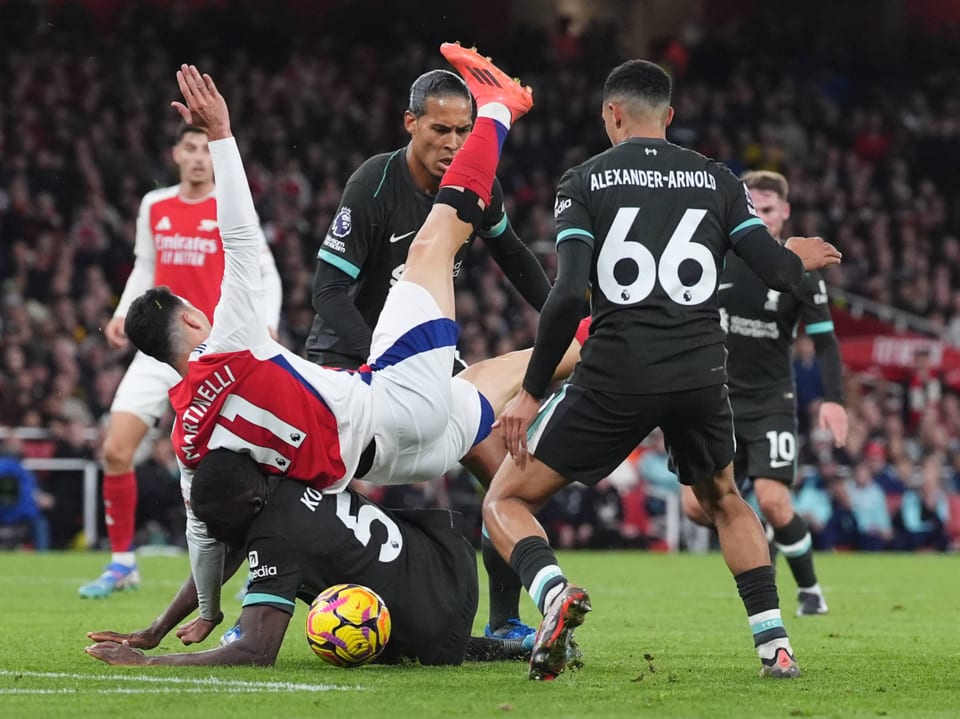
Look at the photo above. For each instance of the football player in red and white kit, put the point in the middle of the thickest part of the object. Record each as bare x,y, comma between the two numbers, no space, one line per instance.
398,418
178,245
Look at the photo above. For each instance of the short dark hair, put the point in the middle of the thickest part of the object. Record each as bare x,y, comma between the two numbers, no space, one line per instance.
186,130
150,323
436,83
767,180
638,79
222,494
222,475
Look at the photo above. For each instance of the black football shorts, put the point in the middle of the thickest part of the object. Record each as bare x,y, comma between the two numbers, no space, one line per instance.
584,434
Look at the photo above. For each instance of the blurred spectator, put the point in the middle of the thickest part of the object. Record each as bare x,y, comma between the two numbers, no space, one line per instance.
812,502
607,511
161,514
924,388
66,486
924,512
22,522
841,531
885,476
869,507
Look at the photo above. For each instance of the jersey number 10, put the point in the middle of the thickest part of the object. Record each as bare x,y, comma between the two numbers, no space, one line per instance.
681,247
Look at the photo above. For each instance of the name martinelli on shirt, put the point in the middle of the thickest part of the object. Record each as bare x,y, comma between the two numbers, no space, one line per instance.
672,179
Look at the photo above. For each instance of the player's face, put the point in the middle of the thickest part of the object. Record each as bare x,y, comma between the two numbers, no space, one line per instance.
773,210
192,156
437,135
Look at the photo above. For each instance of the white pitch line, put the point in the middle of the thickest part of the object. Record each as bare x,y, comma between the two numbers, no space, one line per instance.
170,690
209,682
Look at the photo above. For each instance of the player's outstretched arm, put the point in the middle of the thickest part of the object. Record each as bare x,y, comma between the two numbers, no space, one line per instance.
205,107
262,629
179,609
239,320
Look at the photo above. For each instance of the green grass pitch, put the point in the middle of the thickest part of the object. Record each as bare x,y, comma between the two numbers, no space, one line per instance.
667,638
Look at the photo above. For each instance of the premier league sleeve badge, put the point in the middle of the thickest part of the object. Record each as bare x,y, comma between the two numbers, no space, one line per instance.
342,223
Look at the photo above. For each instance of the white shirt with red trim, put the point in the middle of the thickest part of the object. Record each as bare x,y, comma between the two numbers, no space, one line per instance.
246,393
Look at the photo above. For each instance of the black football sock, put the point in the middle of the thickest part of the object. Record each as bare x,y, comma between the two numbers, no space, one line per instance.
503,584
536,564
797,546
759,594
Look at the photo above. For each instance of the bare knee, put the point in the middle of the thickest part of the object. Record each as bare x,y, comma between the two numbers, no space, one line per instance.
117,454
693,509
775,503
719,496
511,487
124,434
484,459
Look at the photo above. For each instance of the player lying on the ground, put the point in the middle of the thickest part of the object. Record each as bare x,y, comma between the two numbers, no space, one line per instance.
400,418
305,541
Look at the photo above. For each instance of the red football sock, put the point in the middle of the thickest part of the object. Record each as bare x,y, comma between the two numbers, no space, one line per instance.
475,165
120,505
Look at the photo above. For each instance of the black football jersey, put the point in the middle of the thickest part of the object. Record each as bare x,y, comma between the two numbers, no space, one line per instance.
418,562
660,219
761,325
380,212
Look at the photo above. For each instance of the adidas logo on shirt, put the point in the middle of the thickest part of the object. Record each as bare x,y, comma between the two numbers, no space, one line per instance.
164,224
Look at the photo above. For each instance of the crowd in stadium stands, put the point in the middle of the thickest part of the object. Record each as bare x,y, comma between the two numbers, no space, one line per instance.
85,126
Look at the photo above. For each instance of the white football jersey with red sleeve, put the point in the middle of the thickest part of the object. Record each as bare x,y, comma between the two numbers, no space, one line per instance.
247,393
294,418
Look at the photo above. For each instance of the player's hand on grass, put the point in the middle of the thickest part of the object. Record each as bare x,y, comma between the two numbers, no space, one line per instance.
143,639
197,630
833,417
115,335
515,420
205,106
814,252
116,653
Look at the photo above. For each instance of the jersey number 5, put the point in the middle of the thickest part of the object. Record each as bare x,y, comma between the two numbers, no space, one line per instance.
681,247
360,526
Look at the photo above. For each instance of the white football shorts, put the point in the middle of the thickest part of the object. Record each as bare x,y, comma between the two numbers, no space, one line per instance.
424,421
143,389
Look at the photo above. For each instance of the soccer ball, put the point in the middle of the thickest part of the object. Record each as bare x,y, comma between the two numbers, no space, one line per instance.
348,625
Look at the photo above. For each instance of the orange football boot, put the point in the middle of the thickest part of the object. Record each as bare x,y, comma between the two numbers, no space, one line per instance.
486,81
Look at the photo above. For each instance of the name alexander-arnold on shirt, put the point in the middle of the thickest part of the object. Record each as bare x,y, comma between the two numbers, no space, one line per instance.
670,180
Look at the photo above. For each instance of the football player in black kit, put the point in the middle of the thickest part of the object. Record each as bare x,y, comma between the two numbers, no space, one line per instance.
384,203
304,541
646,225
761,324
